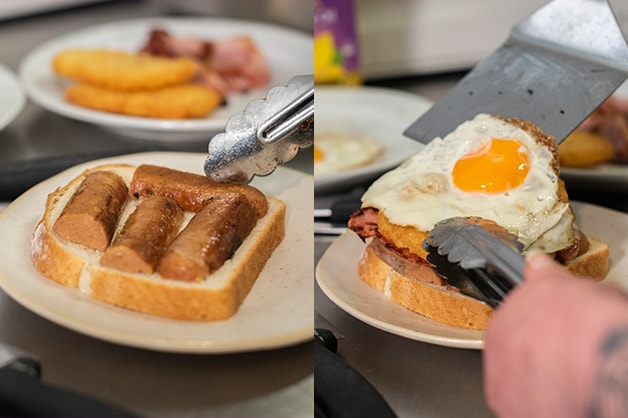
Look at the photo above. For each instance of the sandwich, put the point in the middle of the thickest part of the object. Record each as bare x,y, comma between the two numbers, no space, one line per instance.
491,167
157,240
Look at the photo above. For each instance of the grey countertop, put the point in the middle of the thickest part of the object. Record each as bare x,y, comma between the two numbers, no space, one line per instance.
274,383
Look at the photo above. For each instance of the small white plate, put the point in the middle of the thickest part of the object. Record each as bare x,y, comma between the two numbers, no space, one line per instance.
379,113
277,312
336,274
288,53
12,99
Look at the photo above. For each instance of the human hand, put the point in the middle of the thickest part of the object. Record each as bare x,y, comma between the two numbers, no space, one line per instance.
544,352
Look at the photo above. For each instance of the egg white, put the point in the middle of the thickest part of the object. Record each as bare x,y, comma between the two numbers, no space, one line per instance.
421,192
344,151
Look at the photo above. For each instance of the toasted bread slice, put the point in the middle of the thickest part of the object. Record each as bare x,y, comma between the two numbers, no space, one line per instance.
444,303
216,297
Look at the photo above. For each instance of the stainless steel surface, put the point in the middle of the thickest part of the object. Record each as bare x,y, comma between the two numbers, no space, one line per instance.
481,258
556,67
476,246
269,132
275,383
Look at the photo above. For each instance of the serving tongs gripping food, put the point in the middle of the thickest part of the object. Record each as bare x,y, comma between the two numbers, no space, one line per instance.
269,132
477,256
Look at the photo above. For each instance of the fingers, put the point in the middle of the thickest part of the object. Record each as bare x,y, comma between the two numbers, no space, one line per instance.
540,266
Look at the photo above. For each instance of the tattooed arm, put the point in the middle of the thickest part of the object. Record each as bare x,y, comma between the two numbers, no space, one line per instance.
558,347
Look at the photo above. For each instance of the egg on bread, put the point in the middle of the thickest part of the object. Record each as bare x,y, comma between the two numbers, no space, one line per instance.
499,169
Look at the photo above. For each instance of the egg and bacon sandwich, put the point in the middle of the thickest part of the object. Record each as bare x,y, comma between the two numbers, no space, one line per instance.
503,170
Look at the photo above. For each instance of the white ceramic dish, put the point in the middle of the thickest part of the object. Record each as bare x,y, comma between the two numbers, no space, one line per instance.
288,53
277,312
12,99
337,277
381,114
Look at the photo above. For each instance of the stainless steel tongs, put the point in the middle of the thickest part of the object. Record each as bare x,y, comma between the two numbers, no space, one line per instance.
477,256
269,132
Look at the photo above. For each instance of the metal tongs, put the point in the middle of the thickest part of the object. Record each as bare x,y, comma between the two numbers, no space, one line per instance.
477,256
268,133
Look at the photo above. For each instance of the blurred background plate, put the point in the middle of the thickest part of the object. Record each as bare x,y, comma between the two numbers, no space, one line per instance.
378,113
288,53
607,176
12,98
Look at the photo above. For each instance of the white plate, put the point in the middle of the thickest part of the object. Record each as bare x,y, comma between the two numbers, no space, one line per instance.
12,98
287,52
337,277
277,312
379,113
605,176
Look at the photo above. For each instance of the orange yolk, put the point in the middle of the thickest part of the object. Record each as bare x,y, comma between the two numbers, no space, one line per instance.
498,166
318,155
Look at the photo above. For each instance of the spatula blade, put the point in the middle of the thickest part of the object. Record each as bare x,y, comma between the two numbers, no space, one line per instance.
556,67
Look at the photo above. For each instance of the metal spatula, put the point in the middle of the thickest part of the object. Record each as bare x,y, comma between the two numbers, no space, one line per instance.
554,69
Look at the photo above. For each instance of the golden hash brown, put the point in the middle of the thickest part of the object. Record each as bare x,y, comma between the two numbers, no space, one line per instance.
122,71
584,149
178,102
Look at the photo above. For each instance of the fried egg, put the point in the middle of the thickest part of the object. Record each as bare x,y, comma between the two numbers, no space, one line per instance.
335,151
486,167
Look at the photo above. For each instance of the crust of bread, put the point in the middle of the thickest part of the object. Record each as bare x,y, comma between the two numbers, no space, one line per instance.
444,305
217,297
433,301
594,263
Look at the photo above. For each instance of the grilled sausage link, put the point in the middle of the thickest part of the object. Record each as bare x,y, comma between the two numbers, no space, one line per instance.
91,215
190,191
145,235
211,237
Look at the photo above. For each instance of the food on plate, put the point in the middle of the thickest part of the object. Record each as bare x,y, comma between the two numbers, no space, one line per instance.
588,145
122,71
182,246
582,149
231,65
502,170
174,102
339,151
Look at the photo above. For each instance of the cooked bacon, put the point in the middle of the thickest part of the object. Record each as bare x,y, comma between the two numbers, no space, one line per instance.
364,223
228,65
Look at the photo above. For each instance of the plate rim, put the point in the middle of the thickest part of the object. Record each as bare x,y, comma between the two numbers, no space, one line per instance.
71,320
10,80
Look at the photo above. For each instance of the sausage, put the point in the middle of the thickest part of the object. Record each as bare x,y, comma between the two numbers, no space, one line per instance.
190,191
145,235
211,237
91,215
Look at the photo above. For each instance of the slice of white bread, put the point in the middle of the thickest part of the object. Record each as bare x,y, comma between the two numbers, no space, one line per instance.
444,303
216,297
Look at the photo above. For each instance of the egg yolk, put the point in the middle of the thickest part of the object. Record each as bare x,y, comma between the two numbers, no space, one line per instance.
318,155
497,166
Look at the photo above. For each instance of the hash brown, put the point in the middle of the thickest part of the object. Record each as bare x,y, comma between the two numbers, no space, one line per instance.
177,102
123,71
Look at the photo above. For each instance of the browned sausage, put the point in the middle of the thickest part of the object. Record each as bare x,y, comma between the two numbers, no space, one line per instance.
91,215
145,236
191,191
211,237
